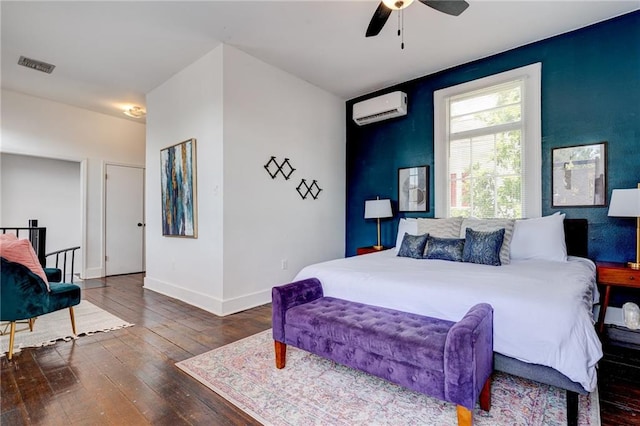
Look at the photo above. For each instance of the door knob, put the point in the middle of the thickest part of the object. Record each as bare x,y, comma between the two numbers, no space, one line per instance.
139,224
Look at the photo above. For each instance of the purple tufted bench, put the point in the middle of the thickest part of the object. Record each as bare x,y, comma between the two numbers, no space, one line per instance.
451,361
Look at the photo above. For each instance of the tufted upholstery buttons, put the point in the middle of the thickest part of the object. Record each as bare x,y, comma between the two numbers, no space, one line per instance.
384,332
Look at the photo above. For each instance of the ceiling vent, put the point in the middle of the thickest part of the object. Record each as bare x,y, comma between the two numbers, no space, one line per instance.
380,108
35,64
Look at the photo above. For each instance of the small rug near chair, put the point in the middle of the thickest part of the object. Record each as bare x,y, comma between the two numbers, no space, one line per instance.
313,391
50,328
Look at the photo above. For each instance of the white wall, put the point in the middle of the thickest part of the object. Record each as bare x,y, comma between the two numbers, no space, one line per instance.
47,190
39,127
242,111
189,105
268,112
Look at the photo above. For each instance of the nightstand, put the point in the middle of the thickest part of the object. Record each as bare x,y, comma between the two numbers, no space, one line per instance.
367,250
614,275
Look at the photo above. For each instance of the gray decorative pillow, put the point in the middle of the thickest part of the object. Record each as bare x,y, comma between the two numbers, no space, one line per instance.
442,228
483,247
413,246
444,249
486,225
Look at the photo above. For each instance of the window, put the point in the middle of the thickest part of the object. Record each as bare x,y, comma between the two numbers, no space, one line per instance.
487,146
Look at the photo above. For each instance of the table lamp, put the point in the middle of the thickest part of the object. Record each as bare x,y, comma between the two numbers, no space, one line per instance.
377,209
626,203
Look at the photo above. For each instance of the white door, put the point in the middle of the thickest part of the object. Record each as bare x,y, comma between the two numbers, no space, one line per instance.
124,217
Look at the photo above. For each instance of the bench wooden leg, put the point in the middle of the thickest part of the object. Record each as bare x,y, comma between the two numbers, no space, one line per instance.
485,395
281,353
465,416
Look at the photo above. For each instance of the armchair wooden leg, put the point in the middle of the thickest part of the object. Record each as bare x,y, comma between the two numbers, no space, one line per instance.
11,336
73,320
31,322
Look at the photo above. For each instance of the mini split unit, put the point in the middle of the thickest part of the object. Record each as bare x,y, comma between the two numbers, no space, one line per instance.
380,108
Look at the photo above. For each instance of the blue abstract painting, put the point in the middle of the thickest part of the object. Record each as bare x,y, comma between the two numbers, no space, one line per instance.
178,179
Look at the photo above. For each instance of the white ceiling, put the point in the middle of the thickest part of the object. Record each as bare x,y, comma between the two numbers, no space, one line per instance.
110,54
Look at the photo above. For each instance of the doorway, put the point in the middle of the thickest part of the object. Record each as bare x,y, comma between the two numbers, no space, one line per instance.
124,220
49,190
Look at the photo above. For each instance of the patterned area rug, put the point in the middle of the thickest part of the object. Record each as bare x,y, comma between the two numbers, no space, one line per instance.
313,391
56,326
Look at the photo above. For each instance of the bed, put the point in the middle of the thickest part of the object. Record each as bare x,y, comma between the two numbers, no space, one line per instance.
543,321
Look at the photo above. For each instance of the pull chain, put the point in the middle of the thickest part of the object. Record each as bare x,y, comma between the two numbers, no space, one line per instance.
402,41
401,27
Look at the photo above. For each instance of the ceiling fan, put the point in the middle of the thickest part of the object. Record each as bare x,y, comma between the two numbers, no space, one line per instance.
382,13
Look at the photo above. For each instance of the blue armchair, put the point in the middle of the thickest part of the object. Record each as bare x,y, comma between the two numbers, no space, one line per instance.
24,296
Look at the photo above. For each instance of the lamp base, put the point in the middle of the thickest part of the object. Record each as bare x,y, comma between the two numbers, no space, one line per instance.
633,265
378,247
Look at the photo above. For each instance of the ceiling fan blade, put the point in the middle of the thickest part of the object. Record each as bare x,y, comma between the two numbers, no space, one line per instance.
378,20
450,7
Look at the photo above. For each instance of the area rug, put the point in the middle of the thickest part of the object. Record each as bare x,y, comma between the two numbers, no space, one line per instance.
313,391
56,326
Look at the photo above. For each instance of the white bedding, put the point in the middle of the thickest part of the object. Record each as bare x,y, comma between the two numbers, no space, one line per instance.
542,309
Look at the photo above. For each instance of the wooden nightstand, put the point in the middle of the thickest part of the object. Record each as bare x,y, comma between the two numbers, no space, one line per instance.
614,275
367,250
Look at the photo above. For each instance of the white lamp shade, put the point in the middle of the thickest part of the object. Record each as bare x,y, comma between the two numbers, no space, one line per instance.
375,209
625,203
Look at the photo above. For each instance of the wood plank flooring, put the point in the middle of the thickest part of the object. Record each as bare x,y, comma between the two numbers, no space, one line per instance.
128,377
619,386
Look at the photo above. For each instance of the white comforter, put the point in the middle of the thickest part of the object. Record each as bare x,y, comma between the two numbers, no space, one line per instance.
542,309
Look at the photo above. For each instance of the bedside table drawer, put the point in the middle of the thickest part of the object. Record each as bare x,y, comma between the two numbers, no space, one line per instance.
620,276
613,275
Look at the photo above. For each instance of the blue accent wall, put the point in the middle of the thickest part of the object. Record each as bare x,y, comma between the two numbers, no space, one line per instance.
590,93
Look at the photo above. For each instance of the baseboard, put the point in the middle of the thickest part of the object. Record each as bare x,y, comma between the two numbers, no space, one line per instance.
200,300
248,301
207,302
90,273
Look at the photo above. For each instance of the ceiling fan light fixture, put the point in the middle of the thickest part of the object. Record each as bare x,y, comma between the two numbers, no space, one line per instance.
397,4
135,112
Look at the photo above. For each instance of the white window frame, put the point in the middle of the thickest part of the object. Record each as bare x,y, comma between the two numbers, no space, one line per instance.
532,137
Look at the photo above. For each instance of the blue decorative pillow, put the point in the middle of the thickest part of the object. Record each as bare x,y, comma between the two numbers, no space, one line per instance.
483,247
444,249
413,246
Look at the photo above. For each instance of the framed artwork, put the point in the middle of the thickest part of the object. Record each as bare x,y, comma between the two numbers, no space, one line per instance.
579,175
178,180
413,189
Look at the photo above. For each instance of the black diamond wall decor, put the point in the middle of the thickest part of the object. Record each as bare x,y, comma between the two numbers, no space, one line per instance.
304,189
273,168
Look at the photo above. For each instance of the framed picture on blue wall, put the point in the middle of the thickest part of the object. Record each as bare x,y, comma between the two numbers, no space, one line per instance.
178,180
413,189
579,176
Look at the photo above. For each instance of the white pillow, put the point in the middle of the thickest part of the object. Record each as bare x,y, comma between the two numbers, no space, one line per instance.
488,225
539,238
408,225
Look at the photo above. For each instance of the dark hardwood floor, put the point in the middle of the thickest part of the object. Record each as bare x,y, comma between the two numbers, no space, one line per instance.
619,386
128,376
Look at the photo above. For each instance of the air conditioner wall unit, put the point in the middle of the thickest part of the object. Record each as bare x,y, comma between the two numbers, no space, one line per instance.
380,108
